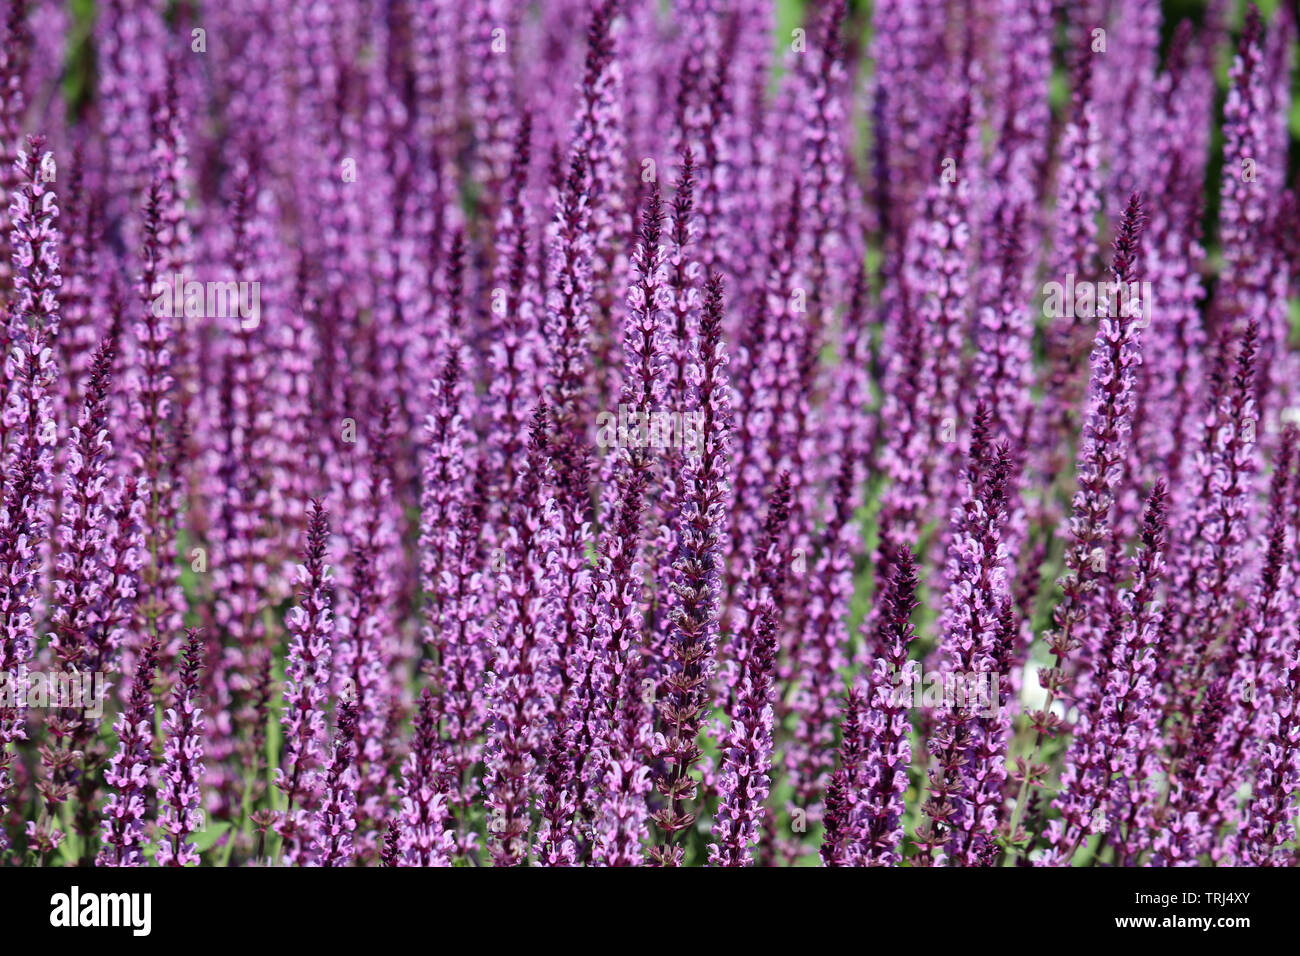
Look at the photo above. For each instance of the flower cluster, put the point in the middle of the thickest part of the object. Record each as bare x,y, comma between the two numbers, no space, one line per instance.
955,365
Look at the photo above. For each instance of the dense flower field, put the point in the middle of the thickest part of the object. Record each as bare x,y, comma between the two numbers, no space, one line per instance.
613,432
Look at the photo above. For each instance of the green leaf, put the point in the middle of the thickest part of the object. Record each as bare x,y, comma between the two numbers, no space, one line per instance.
209,835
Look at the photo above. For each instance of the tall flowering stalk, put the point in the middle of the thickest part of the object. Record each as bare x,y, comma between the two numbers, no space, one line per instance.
684,280
970,751
840,818
565,807
1245,172
123,827
31,325
1004,336
363,661
516,308
179,778
153,437
1090,555
463,660
765,579
83,593
820,654
1258,656
522,692
123,559
698,562
598,135
423,839
241,527
452,515
680,323
1213,548
568,319
310,623
744,778
1110,761
1269,826
623,726
15,62
334,821
1133,699
877,780
907,45
442,489
83,259
567,327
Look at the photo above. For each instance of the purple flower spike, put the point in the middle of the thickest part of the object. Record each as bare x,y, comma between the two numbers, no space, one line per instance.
522,692
179,778
877,779
129,771
698,563
745,777
423,838
335,820
27,428
307,682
